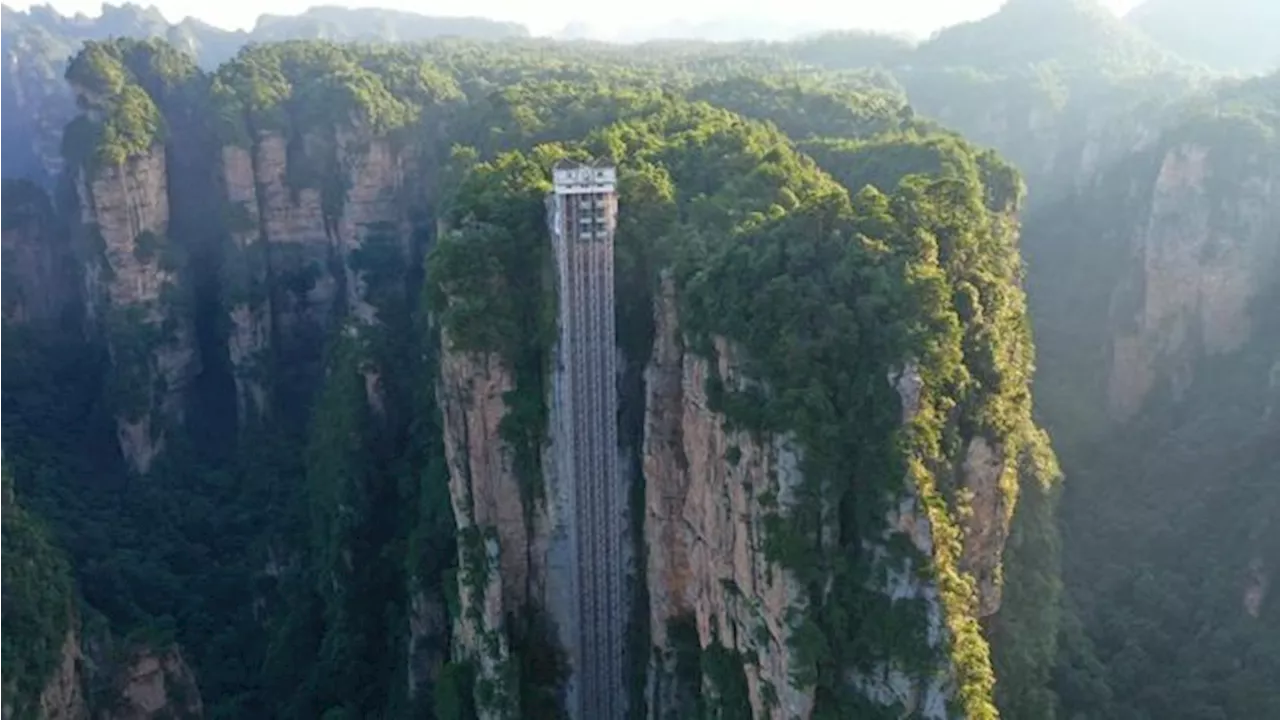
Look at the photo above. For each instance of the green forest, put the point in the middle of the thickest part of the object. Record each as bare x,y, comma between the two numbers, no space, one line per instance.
842,212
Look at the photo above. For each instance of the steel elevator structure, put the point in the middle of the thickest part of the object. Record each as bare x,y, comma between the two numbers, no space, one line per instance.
582,215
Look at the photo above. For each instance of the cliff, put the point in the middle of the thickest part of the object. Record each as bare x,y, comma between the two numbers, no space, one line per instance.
151,684
277,234
704,522
63,696
41,277
134,296
498,563
301,249
1156,263
713,495
1156,320
1202,259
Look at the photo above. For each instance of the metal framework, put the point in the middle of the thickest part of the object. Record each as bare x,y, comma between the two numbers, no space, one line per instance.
583,215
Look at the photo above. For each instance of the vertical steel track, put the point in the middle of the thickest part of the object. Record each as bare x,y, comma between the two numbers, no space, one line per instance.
583,217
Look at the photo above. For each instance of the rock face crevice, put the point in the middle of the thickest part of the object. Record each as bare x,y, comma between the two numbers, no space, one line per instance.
155,684
704,518
133,295
40,272
711,492
989,480
301,252
143,682
482,479
494,561
294,262
63,695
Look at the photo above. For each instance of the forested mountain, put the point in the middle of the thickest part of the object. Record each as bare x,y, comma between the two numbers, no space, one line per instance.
374,25
279,339
275,413
37,44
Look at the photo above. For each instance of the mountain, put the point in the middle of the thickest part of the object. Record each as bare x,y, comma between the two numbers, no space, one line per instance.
1079,35
287,379
36,45
331,22
1233,35
718,30
1154,287
310,327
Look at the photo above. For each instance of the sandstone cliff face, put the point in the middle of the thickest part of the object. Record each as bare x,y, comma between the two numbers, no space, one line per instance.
989,479
39,275
153,685
708,494
63,696
1202,258
246,282
132,285
295,258
482,478
703,529
297,236
147,684
494,559
375,206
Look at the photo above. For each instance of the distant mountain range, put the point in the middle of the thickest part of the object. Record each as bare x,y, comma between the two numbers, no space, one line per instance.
43,27
1076,36
719,30
1224,35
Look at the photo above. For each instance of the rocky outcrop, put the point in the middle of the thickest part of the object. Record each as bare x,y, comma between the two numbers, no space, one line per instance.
132,291
297,236
710,494
246,282
482,479
153,685
301,245
706,499
1201,259
39,273
494,559
63,696
923,694
990,481
146,683
374,208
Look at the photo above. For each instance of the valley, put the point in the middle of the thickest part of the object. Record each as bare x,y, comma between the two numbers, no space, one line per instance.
880,379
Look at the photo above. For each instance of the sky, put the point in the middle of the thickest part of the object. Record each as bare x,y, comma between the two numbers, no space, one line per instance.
606,20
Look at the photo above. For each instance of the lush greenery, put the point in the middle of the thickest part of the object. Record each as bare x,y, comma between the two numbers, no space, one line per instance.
805,212
1163,517
745,199
124,84
39,602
